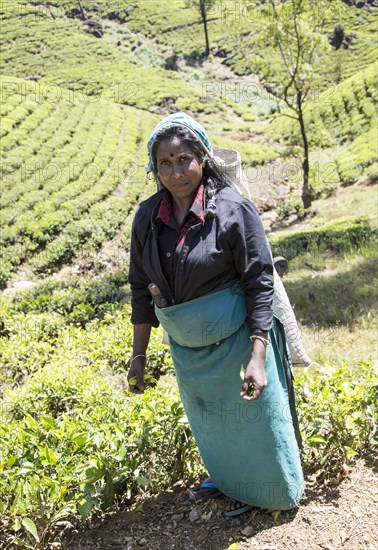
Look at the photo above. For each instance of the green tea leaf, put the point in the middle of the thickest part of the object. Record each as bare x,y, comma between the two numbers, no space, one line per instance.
31,527
16,525
142,480
85,508
138,507
12,460
317,439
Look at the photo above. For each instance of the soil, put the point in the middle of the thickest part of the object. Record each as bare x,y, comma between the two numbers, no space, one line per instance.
330,517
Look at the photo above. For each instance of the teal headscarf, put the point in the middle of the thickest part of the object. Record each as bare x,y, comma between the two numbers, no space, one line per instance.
179,119
227,160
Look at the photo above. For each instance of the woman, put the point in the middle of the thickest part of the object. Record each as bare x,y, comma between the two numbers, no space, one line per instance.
204,246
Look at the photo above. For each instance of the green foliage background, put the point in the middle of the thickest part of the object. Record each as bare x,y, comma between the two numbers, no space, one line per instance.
76,114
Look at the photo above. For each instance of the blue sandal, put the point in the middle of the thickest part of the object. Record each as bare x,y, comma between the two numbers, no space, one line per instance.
238,511
206,484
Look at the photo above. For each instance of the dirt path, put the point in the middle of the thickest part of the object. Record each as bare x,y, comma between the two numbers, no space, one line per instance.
330,517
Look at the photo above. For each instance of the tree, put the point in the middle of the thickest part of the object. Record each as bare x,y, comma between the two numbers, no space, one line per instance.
204,7
296,31
82,11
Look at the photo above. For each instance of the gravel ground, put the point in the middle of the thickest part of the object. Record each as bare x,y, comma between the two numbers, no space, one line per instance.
330,517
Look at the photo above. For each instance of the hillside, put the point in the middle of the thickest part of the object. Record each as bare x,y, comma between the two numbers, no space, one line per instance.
80,94
47,74
128,65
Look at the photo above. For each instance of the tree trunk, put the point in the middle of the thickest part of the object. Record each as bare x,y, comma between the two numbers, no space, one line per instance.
306,193
82,11
204,20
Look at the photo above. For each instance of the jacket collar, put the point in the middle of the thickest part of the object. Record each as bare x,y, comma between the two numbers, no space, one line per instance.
165,211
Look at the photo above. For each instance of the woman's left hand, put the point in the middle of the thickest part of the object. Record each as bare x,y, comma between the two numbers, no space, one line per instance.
254,374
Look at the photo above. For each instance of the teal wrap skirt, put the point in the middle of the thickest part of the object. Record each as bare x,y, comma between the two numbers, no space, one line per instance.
249,448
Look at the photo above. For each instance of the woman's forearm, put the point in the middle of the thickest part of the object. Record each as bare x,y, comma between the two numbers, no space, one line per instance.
258,346
141,338
136,372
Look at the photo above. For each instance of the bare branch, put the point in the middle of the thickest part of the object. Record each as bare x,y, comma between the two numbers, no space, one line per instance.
84,15
290,116
277,18
298,42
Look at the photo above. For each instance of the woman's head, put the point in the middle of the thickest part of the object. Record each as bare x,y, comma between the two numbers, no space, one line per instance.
180,151
179,164
183,121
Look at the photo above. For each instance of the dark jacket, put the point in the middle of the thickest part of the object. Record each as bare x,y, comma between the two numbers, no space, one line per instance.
215,255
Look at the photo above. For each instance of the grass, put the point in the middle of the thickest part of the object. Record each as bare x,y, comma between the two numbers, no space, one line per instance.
335,299
348,203
344,205
339,345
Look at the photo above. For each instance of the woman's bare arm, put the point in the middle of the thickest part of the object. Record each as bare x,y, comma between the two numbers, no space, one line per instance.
140,343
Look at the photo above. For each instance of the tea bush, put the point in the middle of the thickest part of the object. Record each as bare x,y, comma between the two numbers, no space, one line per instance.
337,414
340,114
359,159
338,236
74,442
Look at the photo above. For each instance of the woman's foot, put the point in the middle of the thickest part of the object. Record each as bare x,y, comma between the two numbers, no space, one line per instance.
235,508
204,491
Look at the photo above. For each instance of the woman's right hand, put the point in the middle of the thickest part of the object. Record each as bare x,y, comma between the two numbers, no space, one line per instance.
135,376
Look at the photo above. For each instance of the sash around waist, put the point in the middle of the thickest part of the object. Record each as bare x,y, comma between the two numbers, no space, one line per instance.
205,320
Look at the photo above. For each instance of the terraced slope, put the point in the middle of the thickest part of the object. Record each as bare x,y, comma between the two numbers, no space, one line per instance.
235,28
344,115
54,49
71,172
71,150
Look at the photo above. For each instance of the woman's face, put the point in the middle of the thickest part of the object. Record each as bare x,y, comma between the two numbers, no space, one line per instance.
178,168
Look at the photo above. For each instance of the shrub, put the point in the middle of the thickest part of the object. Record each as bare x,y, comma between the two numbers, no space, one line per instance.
84,446
338,417
343,235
